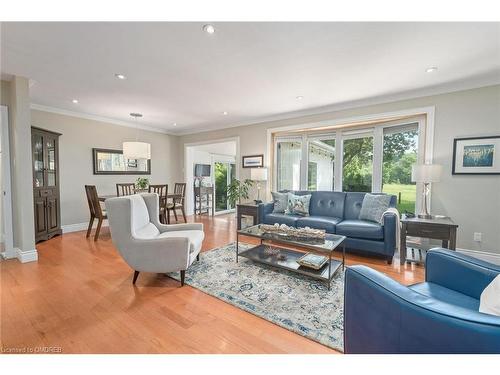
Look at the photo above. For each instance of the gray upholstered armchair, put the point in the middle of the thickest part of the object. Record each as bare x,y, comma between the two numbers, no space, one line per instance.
144,243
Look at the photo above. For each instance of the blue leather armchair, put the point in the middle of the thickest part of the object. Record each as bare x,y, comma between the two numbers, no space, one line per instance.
440,315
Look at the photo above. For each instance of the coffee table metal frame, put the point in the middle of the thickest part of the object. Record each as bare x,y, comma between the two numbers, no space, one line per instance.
256,253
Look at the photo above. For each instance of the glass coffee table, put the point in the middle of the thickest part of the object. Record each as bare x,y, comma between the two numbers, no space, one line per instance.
271,253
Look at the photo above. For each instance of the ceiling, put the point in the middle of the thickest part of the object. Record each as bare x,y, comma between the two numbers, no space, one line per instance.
177,73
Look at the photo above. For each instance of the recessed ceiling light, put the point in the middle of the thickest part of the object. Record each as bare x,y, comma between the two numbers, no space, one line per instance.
300,97
75,101
175,124
120,76
431,69
209,29
224,113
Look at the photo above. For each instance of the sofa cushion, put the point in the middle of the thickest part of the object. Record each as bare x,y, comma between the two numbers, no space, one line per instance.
298,204
360,229
289,220
280,201
444,294
195,237
374,206
352,205
140,213
327,203
319,222
490,298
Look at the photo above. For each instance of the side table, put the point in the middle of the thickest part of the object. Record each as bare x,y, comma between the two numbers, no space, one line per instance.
247,209
440,228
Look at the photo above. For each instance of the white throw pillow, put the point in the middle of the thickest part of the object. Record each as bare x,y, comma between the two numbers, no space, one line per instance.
489,302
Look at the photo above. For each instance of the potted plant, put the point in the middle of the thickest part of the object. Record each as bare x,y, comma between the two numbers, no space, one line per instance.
237,190
142,183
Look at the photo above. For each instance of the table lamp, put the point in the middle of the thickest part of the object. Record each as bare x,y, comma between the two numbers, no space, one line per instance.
258,174
425,173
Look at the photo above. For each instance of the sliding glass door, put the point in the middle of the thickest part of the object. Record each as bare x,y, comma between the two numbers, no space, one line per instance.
225,172
321,163
357,162
399,154
288,164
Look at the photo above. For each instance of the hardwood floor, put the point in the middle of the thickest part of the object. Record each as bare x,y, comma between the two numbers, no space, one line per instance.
79,298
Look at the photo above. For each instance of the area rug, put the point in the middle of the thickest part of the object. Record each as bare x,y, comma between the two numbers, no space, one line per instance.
298,303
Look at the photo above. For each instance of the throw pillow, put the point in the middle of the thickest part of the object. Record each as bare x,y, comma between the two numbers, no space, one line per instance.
280,202
489,302
374,206
298,204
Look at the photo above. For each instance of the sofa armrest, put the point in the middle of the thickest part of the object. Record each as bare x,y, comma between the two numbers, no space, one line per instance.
383,316
264,209
389,222
459,272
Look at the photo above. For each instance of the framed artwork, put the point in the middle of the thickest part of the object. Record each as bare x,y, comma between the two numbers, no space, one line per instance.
253,161
477,155
112,162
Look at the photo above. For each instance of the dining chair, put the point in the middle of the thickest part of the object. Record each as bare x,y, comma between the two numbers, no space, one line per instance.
125,189
162,191
96,212
177,201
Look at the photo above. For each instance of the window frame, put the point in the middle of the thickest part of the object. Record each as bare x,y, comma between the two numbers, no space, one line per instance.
376,130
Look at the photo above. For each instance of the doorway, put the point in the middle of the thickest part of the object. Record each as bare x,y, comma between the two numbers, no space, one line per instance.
219,161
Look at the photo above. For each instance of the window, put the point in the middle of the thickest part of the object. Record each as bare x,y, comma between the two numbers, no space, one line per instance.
399,154
289,157
357,163
374,158
321,157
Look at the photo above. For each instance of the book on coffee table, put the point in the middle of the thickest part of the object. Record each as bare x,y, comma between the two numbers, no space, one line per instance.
313,261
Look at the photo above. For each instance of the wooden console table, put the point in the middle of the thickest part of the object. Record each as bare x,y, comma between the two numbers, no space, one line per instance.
442,228
206,192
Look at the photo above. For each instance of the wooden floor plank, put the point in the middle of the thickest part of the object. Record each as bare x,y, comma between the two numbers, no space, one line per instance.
79,297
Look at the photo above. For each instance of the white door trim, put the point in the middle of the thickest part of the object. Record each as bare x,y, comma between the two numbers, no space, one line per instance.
6,187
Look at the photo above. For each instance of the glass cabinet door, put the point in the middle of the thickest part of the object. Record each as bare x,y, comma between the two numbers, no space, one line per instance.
51,161
38,161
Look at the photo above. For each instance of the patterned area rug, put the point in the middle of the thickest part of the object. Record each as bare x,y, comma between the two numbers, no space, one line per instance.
295,302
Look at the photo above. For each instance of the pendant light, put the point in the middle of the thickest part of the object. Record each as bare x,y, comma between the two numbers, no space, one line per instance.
136,149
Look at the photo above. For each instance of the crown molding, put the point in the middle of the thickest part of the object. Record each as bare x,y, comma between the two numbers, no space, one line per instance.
89,116
491,79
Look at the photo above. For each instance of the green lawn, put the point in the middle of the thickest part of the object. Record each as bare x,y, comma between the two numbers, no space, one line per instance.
408,194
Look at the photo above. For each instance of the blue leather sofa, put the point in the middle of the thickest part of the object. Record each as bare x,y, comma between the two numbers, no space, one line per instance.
338,213
440,315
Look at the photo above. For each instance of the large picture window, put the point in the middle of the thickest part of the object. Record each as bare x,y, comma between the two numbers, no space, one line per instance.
364,159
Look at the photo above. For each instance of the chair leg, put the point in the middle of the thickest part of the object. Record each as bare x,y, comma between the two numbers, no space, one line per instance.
136,274
183,214
98,229
175,215
89,230
198,257
183,276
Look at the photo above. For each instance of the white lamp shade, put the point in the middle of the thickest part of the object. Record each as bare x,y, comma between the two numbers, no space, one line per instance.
426,172
258,174
136,150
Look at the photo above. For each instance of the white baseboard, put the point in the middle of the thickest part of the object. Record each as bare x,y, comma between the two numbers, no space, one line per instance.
27,256
483,255
80,226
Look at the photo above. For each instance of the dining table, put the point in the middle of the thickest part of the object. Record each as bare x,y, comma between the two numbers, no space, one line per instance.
103,198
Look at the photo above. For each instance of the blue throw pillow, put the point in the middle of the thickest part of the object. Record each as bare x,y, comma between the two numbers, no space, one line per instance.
298,204
280,202
374,206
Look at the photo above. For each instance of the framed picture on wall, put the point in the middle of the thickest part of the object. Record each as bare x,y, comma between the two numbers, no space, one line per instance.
476,155
253,161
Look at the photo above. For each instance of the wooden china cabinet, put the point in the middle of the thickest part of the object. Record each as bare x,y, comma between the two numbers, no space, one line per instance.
45,154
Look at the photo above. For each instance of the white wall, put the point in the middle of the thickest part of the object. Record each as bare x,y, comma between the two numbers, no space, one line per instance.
78,138
473,202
